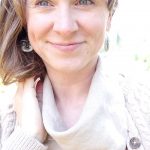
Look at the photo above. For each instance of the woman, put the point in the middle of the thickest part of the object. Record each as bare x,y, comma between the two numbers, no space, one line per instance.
65,99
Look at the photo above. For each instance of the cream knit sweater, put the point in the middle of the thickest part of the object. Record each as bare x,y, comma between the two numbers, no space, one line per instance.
115,112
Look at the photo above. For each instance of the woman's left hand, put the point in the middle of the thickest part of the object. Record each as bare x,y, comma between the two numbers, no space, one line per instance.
27,108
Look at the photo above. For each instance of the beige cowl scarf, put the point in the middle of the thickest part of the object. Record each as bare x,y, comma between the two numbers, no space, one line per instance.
102,124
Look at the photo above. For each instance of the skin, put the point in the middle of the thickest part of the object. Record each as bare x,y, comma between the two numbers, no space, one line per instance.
28,112
65,23
67,35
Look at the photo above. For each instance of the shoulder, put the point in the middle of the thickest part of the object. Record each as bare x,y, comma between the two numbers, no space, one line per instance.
135,87
7,114
137,100
133,81
136,92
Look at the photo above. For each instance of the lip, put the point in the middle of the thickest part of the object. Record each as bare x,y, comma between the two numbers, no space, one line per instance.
66,47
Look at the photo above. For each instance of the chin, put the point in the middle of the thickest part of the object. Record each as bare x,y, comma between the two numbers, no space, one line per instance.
66,68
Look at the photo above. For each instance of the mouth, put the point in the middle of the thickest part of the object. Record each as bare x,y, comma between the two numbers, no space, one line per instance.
66,47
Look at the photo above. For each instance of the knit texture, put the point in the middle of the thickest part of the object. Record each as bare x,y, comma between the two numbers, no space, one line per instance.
137,98
19,140
137,110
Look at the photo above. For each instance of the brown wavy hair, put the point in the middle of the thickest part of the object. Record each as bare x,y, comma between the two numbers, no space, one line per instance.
16,65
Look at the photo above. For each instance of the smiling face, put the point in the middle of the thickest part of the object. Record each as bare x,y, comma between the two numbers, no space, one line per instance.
67,34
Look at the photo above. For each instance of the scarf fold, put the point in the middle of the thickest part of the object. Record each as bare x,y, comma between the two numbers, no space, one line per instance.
102,124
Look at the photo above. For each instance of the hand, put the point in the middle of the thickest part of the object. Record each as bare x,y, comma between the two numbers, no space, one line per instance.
27,108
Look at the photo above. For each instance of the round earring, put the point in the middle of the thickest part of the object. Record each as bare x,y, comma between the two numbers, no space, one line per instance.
26,46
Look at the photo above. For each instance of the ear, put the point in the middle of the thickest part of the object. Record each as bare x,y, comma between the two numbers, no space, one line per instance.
109,22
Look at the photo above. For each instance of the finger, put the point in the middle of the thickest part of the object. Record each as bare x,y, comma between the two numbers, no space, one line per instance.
18,94
39,90
29,93
39,93
34,86
29,83
18,102
29,88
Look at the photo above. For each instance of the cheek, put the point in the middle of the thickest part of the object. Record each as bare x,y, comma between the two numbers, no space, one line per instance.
95,27
94,24
37,26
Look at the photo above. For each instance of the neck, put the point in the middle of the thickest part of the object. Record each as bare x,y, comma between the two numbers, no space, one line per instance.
70,87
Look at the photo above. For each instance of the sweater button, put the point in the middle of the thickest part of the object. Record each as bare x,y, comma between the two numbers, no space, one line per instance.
135,143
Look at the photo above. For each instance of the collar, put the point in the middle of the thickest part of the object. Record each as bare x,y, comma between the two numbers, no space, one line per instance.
103,117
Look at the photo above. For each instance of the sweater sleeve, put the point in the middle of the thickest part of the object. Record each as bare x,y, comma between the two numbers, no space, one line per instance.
13,138
19,140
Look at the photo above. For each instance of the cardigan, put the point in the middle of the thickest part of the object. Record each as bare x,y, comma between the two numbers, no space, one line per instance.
112,122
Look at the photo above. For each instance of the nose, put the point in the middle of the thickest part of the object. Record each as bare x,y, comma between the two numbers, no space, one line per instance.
65,23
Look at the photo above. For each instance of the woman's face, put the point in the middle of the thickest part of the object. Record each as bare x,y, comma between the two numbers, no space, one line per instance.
67,34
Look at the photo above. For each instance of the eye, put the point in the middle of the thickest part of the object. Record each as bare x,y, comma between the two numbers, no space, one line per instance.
84,2
43,3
